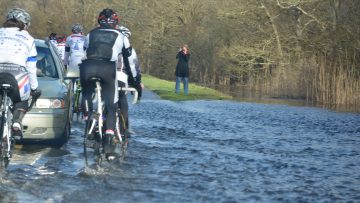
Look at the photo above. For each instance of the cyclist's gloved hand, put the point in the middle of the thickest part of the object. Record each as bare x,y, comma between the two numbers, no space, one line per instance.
35,93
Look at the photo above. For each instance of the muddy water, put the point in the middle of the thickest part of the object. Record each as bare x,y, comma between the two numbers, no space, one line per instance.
202,151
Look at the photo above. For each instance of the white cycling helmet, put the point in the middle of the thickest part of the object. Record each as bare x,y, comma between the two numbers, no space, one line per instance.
77,28
19,15
125,31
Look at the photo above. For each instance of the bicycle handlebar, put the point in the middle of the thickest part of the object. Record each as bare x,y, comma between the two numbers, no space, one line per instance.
130,89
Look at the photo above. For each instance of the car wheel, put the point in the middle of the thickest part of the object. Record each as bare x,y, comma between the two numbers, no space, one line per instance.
67,132
61,141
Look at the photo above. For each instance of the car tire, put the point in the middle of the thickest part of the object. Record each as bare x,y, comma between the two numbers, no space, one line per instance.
61,141
67,132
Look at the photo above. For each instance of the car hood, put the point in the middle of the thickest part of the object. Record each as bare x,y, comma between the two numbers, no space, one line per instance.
52,87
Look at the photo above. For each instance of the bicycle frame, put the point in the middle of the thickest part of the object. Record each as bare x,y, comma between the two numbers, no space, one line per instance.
97,120
99,111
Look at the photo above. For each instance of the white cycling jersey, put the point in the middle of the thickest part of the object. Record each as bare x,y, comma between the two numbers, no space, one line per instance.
133,63
18,47
74,51
60,48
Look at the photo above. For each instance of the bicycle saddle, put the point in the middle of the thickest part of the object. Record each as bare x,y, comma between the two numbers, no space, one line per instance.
6,87
95,79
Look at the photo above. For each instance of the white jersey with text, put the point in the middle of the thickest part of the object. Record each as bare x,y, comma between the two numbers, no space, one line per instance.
74,51
60,48
18,47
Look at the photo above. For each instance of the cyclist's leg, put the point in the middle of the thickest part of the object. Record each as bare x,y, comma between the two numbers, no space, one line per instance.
86,102
124,108
109,93
86,72
20,109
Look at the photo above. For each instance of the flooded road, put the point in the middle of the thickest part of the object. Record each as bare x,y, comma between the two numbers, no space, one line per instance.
203,151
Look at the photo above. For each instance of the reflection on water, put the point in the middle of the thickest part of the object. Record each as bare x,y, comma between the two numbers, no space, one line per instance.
203,151
245,94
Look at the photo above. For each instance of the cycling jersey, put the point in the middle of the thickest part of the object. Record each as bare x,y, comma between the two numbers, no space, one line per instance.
134,66
105,44
18,47
103,47
74,51
60,48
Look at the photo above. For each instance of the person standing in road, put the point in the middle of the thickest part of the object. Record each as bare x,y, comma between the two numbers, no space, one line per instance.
182,69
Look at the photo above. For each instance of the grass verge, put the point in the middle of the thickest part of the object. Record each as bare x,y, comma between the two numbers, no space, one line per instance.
166,90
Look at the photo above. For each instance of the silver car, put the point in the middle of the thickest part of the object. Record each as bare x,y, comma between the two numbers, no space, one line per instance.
50,118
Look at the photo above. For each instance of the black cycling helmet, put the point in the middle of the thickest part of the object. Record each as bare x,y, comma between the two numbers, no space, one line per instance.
108,17
52,36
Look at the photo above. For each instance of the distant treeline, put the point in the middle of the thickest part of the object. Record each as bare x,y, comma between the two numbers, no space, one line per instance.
287,48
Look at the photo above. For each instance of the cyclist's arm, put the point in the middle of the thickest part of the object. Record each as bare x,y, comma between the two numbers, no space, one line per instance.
31,67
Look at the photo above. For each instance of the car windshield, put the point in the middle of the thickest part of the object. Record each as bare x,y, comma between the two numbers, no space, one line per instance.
45,63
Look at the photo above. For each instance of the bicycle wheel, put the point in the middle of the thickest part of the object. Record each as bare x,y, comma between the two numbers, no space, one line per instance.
121,144
92,144
77,107
4,153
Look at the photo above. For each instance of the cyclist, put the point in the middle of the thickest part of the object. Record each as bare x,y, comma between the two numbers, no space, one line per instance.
52,38
131,67
18,55
59,42
103,46
74,48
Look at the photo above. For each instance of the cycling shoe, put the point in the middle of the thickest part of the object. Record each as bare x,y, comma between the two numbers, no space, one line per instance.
110,156
17,130
109,146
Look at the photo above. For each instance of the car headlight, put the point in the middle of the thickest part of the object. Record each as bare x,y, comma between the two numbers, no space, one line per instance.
54,103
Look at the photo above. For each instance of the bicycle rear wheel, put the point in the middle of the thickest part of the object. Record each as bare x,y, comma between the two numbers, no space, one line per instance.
93,150
77,104
4,153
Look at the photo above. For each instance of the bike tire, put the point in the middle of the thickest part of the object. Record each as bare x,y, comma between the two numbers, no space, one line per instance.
93,150
4,159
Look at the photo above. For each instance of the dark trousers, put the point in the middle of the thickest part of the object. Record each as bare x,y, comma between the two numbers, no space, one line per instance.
105,70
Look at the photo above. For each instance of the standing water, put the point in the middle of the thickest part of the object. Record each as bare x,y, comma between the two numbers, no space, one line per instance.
202,151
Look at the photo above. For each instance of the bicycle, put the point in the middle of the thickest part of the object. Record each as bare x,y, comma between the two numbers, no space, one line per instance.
77,99
7,140
94,139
